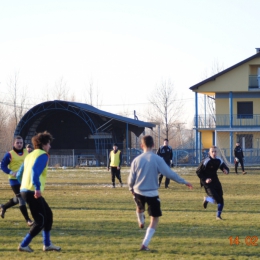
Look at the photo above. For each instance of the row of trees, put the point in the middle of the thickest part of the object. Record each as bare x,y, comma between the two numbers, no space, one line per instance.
166,110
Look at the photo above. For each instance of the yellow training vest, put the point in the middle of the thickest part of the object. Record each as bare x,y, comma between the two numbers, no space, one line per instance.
16,161
115,158
27,172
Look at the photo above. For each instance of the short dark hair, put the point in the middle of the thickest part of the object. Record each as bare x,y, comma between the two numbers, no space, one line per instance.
148,141
18,137
28,146
41,139
166,140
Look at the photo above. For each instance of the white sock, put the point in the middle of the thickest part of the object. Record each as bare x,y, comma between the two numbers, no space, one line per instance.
140,217
211,200
148,236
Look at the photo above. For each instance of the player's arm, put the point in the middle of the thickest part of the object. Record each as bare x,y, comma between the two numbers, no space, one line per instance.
120,159
223,167
37,170
131,178
109,161
19,173
201,171
5,162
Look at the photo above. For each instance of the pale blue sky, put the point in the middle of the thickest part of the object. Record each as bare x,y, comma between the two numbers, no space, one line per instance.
125,47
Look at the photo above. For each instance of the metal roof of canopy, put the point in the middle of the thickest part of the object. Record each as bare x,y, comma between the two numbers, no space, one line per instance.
71,122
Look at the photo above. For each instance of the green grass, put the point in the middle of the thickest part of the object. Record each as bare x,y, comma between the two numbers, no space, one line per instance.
94,221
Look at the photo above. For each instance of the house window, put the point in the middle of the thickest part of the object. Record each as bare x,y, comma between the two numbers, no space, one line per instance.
245,109
246,141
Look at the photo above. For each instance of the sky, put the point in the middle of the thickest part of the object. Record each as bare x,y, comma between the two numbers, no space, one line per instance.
126,48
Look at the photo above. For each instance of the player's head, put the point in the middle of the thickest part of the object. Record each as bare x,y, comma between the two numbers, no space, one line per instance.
18,142
28,148
237,144
213,151
147,141
42,141
165,142
115,146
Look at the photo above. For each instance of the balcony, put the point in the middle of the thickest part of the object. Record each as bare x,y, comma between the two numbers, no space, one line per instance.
254,82
222,121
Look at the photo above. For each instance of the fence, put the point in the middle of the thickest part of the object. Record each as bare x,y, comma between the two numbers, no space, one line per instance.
181,157
90,159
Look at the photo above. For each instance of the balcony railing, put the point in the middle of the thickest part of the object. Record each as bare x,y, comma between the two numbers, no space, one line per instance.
220,121
254,82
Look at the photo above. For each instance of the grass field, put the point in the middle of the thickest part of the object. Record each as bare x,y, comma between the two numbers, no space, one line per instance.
94,221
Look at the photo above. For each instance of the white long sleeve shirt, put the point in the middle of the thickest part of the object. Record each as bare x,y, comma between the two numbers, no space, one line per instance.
143,177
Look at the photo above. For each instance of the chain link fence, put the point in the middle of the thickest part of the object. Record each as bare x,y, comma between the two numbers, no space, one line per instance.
181,157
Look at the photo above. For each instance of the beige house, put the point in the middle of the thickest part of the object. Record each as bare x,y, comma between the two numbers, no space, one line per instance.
231,110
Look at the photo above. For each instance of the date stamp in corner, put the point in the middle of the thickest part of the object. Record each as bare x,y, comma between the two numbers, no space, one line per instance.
249,240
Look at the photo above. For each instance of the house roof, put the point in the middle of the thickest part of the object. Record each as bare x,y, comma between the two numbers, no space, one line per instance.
212,78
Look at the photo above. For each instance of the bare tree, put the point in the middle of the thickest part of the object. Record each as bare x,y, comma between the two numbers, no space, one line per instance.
4,115
18,97
61,90
210,99
92,94
166,107
12,109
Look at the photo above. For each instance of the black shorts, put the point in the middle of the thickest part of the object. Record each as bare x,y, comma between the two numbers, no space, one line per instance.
154,204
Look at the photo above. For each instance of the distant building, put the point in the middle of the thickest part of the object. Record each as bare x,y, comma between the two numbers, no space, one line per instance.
236,95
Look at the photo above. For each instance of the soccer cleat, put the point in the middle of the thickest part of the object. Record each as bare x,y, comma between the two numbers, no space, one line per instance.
29,222
244,173
144,248
121,184
3,210
219,218
51,247
24,249
205,203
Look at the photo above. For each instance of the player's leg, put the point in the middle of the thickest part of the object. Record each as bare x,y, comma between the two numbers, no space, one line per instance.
242,166
113,176
154,210
38,213
236,164
140,208
46,233
160,179
217,195
12,202
209,198
118,176
22,204
167,182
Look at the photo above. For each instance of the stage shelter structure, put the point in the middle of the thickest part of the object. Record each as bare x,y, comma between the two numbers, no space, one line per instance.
79,126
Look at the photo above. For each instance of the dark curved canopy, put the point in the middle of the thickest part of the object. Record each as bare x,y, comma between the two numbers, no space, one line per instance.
78,126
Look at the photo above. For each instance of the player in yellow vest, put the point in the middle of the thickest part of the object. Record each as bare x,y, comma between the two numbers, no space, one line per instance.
32,175
114,163
10,165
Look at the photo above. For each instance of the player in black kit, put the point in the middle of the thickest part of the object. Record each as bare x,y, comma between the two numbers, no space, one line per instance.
165,152
239,158
207,172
